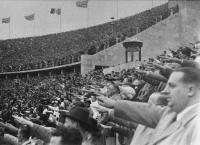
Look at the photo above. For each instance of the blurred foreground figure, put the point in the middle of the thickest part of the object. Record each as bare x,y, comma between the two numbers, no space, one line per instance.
67,136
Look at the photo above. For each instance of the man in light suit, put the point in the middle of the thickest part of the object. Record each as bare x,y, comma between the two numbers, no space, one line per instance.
176,124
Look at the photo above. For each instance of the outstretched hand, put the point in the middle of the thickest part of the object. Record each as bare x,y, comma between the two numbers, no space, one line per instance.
140,71
106,102
158,66
101,109
168,59
21,120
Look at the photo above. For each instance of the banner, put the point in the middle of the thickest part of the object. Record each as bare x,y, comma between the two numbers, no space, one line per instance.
55,11
6,20
82,3
30,17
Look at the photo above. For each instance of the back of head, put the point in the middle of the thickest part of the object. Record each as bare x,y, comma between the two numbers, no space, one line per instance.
66,136
71,136
186,51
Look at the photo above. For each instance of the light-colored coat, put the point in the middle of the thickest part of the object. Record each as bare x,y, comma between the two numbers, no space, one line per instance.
167,131
142,135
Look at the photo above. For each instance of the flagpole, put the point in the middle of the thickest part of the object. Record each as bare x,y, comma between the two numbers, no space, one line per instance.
116,27
87,15
34,24
60,27
9,30
117,8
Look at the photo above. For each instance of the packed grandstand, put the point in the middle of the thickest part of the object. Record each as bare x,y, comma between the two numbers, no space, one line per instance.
67,47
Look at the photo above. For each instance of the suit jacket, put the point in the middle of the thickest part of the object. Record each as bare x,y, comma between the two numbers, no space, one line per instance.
142,135
167,131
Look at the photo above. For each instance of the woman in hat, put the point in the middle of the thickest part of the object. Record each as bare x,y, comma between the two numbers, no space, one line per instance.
79,117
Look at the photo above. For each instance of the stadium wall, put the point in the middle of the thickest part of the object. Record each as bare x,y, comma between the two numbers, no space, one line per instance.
109,57
189,18
181,3
119,68
177,30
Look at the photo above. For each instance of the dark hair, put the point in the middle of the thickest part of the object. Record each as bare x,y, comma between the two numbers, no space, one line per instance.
79,104
69,135
186,51
191,75
116,87
25,130
61,99
77,99
129,79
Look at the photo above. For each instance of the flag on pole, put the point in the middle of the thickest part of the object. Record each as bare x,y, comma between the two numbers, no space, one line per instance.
30,17
82,3
6,20
55,11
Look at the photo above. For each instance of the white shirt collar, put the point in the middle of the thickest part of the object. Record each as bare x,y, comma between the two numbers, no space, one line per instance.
186,110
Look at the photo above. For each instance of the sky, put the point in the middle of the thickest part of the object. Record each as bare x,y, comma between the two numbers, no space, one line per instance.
72,17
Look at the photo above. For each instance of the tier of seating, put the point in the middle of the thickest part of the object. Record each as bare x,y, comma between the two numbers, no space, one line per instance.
64,48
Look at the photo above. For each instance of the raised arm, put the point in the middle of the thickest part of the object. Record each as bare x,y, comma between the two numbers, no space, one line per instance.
142,113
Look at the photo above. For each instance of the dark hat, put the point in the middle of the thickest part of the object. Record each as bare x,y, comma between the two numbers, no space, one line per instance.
186,51
81,115
92,124
78,104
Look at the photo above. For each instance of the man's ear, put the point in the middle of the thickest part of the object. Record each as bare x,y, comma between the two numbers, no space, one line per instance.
192,90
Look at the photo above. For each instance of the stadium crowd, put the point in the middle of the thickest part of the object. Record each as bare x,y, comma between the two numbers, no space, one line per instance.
72,109
154,103
65,48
